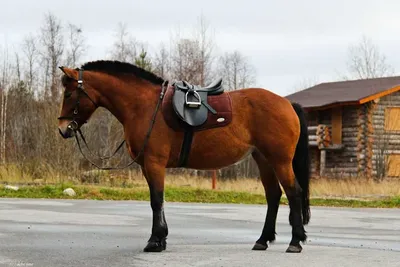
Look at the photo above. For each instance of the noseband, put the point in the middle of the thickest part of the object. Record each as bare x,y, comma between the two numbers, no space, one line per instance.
74,125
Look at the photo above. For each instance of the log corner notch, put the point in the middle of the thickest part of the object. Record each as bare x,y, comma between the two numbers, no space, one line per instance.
332,136
329,139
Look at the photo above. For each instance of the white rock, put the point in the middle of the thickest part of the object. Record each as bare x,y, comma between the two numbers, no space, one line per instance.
15,188
70,192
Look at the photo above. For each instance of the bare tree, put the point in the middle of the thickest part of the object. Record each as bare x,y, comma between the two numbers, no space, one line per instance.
17,67
184,60
236,71
30,50
306,83
52,40
76,44
206,45
366,61
161,62
192,57
125,45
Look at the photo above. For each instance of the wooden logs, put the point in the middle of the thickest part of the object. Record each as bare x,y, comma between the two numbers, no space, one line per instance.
323,136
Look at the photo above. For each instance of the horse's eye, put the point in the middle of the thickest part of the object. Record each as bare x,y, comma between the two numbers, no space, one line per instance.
67,94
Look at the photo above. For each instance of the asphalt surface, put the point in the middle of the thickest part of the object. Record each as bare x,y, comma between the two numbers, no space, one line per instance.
113,233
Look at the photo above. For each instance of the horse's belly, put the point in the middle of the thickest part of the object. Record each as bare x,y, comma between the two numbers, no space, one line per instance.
215,151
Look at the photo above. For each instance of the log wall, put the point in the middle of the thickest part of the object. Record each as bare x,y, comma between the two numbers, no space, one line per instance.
345,162
371,139
385,142
312,118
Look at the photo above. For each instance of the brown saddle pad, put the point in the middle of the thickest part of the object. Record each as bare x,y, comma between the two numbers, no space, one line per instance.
221,103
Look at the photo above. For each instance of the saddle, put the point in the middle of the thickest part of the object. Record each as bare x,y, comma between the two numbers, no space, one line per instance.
188,106
191,108
190,101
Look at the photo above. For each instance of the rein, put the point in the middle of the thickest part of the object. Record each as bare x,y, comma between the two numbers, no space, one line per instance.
75,127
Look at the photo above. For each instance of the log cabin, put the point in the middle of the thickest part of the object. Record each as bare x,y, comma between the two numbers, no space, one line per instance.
354,127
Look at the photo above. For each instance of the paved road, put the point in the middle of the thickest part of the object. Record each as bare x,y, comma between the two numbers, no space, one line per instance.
105,233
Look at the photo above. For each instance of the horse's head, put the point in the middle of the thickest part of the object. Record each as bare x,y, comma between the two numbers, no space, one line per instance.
79,102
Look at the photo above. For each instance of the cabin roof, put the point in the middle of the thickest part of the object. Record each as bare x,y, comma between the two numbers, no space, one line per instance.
352,92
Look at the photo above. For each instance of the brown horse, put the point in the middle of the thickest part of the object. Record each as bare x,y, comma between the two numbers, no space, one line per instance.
262,123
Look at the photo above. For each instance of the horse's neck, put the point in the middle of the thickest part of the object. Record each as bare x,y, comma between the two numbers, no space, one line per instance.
127,102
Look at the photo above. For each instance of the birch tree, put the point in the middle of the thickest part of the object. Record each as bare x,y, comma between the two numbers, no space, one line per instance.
6,72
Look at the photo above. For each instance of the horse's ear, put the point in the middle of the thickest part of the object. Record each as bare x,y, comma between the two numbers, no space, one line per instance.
71,73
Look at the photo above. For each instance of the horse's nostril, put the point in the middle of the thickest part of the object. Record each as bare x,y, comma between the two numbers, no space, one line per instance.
61,132
64,134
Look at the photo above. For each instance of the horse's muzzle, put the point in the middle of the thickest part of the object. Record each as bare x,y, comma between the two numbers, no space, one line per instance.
68,131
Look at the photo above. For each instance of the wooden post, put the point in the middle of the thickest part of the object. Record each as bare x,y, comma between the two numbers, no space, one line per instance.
322,163
214,179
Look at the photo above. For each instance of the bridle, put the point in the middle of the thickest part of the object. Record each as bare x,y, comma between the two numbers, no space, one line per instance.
74,125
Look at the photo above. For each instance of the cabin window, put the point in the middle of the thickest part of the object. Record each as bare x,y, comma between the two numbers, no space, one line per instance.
337,126
393,165
392,119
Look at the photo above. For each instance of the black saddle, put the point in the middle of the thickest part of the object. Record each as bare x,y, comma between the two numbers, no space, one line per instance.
190,101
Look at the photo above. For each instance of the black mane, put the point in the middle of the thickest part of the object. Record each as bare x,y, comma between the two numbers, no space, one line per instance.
117,67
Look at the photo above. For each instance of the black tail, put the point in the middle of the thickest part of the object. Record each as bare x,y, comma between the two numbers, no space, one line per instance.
301,163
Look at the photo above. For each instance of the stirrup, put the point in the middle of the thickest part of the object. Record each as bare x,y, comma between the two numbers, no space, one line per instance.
193,104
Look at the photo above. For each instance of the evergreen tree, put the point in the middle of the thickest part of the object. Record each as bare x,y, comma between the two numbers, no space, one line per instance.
142,61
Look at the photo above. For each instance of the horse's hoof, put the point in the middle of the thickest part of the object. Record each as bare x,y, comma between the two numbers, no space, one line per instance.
155,246
258,246
294,249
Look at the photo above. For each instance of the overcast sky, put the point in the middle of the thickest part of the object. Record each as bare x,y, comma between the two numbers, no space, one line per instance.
286,41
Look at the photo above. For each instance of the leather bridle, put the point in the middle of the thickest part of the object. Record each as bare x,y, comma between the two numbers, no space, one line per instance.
74,125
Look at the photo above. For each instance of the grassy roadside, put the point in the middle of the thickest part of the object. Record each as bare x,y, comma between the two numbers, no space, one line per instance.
180,194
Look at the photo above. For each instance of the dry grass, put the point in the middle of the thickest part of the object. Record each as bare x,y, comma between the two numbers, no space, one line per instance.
13,173
356,187
350,188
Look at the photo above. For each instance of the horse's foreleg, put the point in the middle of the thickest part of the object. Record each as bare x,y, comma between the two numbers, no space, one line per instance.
155,175
273,195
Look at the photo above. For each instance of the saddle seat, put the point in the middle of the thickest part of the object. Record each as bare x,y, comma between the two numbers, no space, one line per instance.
190,102
215,88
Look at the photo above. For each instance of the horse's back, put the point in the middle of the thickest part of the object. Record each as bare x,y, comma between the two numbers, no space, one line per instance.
259,106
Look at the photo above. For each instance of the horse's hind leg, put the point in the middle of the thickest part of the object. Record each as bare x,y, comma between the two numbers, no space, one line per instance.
284,172
273,195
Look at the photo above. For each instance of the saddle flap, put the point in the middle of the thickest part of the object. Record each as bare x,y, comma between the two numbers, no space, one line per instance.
192,116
